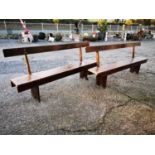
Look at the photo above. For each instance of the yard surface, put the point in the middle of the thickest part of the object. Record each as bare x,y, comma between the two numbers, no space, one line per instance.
75,106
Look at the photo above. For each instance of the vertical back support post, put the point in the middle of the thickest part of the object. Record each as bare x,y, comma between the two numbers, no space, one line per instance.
28,69
80,55
133,51
35,90
97,58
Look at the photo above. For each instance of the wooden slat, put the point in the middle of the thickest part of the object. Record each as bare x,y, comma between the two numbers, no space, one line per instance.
39,78
111,46
41,49
115,67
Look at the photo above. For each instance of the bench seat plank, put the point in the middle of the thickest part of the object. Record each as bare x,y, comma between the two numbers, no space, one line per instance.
118,66
35,79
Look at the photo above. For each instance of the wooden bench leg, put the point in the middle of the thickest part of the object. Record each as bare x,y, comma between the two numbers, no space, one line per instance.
83,74
101,80
135,69
132,69
35,93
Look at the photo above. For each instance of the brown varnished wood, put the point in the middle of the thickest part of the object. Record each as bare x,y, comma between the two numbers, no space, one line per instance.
35,93
115,67
135,68
98,58
34,80
24,83
103,71
133,51
80,55
28,69
101,80
84,74
41,49
111,46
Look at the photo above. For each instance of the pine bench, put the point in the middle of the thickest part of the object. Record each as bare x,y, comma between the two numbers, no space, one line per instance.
102,72
34,80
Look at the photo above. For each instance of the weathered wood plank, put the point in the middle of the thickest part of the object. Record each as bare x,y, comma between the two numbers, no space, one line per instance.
41,49
111,46
119,66
39,78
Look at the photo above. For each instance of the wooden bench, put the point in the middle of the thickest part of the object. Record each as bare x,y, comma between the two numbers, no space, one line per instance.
34,80
102,72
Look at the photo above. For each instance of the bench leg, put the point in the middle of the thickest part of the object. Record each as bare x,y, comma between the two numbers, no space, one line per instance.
83,74
135,69
35,93
101,80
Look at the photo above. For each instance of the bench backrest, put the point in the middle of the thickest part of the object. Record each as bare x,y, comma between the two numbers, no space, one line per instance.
41,49
100,48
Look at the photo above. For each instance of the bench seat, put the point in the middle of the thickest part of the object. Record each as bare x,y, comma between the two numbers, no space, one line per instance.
118,66
35,79
103,71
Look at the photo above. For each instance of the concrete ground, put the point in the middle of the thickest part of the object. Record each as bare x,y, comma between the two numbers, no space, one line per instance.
75,106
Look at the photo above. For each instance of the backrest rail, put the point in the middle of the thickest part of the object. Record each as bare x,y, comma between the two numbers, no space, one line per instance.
111,46
41,49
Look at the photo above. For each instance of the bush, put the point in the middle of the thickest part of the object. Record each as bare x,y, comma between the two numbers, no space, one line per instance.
13,36
131,36
3,36
42,36
10,36
58,37
90,37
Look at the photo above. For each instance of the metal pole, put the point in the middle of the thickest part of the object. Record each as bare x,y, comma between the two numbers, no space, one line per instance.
57,25
70,27
82,28
117,28
137,27
123,32
110,27
42,27
131,28
25,23
92,27
5,26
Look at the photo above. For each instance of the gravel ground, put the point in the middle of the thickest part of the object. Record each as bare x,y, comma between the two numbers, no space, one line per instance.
75,106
